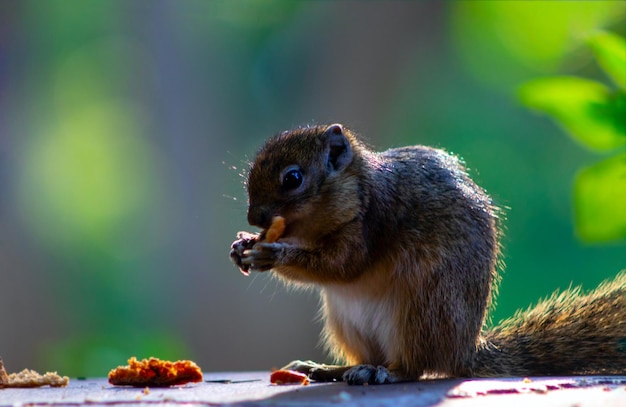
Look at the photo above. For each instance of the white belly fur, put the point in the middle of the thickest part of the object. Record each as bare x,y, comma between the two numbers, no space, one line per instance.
363,317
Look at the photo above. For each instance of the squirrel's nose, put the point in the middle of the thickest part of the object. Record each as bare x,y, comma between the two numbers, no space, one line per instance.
259,215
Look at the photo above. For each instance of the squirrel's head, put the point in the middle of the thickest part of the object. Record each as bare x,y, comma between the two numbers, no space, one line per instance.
305,175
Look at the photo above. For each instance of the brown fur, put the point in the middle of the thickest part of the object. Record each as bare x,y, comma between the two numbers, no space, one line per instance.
404,247
568,333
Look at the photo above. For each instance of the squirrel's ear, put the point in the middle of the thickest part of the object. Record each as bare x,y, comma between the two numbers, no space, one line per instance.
340,150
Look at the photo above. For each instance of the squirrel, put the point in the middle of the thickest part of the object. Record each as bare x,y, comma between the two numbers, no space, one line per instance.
405,250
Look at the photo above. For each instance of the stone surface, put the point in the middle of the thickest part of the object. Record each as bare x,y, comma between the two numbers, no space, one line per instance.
254,389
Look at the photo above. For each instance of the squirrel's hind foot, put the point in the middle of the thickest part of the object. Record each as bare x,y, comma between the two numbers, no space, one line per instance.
352,375
370,374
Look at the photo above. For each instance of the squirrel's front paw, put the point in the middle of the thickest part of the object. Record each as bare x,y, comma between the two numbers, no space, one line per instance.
317,371
263,256
245,241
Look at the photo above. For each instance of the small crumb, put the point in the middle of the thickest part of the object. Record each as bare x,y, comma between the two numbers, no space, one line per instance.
276,229
146,390
527,380
4,378
138,397
281,377
30,378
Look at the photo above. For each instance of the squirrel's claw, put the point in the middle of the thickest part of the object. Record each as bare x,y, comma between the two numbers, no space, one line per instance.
262,256
248,253
245,241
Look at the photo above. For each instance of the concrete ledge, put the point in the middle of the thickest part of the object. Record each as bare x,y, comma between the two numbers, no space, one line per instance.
254,389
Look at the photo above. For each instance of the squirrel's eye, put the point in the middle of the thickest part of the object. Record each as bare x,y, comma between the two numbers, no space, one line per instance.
292,179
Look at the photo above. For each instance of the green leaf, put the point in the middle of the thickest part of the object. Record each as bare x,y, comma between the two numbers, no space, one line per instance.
587,110
600,200
610,51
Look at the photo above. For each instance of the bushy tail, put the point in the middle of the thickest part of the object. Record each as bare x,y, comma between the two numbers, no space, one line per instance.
567,334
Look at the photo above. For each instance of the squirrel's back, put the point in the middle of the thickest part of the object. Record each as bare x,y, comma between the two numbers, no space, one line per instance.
568,333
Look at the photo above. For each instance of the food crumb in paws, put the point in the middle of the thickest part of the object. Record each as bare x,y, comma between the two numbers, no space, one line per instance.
276,229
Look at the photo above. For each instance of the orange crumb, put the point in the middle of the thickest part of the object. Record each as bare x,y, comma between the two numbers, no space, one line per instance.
155,372
276,229
288,377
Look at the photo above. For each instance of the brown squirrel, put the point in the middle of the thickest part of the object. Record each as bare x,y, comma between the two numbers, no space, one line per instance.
404,248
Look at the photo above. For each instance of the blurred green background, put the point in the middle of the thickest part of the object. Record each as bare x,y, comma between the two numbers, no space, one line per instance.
125,128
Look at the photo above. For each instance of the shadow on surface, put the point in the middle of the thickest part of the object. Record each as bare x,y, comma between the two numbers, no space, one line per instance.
422,393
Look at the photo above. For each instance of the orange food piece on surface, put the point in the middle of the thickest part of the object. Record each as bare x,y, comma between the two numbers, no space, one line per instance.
276,229
154,372
288,377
